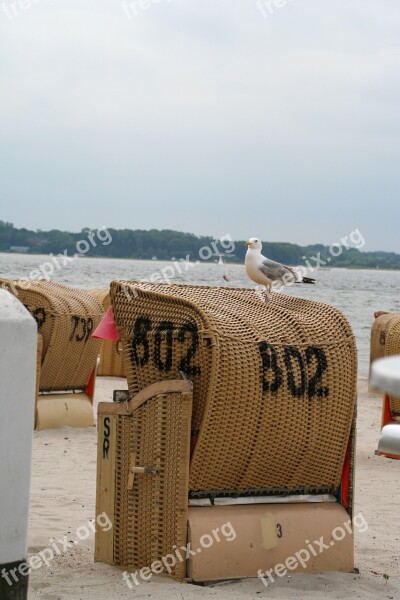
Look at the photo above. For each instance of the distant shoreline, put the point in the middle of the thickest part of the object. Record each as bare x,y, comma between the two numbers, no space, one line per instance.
203,262
348,252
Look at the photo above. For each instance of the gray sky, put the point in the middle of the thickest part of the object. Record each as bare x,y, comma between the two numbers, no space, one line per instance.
207,116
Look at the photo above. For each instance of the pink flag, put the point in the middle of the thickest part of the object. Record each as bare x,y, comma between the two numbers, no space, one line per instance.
107,329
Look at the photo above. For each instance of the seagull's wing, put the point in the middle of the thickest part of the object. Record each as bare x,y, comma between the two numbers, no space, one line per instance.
276,271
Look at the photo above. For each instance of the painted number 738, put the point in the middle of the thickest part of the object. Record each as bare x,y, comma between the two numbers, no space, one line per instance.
82,328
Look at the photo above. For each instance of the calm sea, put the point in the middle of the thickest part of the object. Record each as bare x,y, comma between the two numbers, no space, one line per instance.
356,293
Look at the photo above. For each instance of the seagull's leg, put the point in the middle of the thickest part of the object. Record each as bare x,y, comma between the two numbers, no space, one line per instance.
267,293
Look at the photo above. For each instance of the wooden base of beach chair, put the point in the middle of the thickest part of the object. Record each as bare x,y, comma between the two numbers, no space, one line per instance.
142,485
229,542
66,409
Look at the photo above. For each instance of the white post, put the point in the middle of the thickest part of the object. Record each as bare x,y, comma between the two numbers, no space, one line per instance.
18,342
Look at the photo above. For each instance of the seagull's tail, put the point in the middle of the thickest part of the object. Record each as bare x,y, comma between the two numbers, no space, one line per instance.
308,280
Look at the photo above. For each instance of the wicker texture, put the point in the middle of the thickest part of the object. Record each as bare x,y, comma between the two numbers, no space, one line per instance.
123,526
102,296
385,341
111,360
274,385
150,517
66,317
153,519
379,332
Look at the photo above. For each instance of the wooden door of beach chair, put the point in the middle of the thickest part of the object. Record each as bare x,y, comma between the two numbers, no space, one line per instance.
66,318
143,475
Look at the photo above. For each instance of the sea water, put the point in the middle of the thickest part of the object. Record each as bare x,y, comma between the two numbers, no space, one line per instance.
357,293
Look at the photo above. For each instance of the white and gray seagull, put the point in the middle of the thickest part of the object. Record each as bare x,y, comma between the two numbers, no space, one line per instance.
265,271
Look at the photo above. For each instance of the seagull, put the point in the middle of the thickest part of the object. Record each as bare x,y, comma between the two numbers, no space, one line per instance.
267,272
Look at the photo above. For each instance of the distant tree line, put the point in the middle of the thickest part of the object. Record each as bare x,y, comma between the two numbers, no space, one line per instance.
167,244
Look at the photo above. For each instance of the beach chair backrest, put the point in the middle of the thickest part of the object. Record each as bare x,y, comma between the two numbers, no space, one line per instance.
274,385
66,318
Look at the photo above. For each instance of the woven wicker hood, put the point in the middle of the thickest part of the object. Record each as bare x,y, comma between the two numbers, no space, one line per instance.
274,384
66,317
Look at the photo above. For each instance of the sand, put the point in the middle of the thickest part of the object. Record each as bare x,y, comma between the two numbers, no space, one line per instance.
63,499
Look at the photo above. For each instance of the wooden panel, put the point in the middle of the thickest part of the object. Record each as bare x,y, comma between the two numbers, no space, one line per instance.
105,494
148,443
237,541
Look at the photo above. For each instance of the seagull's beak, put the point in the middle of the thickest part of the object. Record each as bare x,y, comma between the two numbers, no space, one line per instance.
248,244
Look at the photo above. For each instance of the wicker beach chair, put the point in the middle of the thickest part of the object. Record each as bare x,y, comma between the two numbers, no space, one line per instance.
273,391
66,318
385,341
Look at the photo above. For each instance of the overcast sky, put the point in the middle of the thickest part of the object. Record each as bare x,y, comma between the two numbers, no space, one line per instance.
206,116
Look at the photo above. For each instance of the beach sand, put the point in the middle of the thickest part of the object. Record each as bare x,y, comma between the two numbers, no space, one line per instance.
63,499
